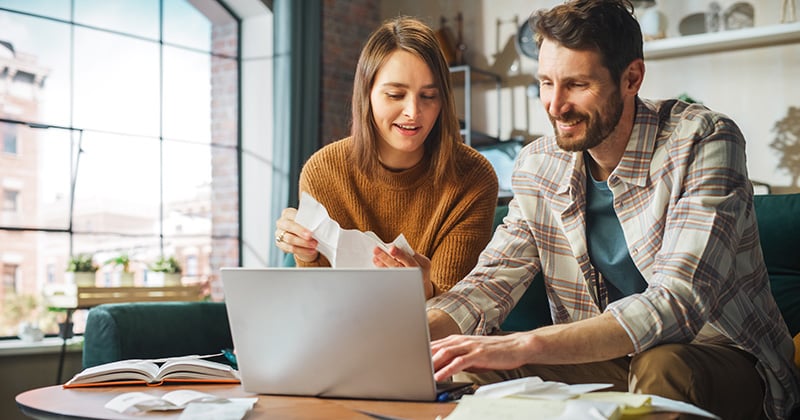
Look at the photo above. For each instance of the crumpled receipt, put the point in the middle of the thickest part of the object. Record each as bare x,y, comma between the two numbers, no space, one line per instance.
344,248
197,405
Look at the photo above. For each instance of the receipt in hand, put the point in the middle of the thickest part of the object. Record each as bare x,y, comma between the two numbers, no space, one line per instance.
344,248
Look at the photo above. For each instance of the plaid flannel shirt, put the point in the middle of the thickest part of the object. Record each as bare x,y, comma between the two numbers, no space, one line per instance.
685,204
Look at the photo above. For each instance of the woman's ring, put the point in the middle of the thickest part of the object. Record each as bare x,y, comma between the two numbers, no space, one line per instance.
279,238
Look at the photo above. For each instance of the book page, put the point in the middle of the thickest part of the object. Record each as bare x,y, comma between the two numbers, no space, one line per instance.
125,369
196,369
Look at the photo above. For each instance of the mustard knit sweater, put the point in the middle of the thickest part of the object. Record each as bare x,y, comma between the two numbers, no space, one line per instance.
450,224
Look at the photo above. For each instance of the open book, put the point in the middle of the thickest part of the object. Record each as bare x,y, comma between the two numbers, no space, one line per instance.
155,372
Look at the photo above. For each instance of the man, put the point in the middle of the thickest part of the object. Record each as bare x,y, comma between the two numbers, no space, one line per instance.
640,216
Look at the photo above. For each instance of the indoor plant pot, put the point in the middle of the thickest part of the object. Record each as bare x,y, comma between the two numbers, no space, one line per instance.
125,276
83,270
169,269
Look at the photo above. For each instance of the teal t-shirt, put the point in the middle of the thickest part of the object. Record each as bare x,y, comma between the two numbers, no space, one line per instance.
606,243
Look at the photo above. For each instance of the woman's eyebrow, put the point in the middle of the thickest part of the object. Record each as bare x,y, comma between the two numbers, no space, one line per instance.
403,85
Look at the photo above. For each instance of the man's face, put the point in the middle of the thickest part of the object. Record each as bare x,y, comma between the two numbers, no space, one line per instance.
582,101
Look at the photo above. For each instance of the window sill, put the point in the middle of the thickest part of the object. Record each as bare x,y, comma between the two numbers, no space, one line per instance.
50,345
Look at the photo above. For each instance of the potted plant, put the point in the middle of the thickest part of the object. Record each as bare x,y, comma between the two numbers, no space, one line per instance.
126,275
83,270
169,268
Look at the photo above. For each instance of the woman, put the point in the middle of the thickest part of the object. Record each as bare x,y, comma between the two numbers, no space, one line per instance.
405,168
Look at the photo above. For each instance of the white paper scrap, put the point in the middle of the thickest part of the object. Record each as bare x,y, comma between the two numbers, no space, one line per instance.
535,387
344,248
471,407
232,409
174,400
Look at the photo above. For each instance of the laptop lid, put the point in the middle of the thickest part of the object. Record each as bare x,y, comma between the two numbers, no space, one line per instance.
350,333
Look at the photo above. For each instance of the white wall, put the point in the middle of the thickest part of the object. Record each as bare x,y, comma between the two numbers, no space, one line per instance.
755,87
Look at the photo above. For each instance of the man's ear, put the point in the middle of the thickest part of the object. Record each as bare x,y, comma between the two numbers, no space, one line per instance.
632,77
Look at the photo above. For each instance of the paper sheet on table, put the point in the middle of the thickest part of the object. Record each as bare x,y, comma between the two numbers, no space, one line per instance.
535,387
556,400
471,407
196,405
344,248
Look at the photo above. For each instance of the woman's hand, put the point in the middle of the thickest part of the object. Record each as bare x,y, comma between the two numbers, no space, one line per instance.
292,238
397,258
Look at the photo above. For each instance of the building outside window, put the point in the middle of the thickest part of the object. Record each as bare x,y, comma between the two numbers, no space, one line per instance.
119,147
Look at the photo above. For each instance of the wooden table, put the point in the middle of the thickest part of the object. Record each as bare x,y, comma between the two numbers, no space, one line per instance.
55,402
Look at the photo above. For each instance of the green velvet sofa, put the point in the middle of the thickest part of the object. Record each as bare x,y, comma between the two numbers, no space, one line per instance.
162,329
152,330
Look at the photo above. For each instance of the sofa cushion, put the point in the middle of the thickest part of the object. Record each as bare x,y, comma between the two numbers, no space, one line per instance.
779,230
149,330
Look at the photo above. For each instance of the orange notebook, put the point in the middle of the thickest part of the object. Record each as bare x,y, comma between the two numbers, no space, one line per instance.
153,372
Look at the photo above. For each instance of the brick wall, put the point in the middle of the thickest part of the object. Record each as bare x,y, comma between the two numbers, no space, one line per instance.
346,25
224,165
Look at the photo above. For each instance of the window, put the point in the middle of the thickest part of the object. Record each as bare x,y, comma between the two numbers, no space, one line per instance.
120,149
10,278
10,201
9,138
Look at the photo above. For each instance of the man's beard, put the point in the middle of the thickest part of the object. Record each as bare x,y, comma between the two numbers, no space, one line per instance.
598,126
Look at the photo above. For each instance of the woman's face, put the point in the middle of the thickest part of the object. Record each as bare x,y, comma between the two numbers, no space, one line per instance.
405,105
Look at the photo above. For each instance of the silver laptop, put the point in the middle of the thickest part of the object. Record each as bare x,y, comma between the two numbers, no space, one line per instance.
349,333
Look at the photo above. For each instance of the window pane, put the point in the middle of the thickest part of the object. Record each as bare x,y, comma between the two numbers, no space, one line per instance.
116,92
189,24
9,133
104,248
36,181
186,26
193,252
39,51
40,259
127,111
58,9
117,187
135,17
188,208
187,95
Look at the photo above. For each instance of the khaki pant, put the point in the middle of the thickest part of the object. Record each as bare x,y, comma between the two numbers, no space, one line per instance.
717,378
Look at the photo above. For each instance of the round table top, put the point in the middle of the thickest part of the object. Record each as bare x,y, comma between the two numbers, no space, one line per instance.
57,402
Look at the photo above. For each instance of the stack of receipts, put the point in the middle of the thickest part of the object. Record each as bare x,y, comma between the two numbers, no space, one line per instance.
522,398
344,248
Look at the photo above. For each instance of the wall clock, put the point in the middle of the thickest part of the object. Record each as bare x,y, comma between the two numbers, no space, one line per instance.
526,40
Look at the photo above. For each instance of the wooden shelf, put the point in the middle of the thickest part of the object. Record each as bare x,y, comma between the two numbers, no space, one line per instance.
73,297
730,40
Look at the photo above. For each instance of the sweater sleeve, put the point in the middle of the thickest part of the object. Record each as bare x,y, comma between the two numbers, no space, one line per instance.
310,178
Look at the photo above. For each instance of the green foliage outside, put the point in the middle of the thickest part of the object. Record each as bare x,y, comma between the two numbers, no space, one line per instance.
122,260
166,265
26,308
81,263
